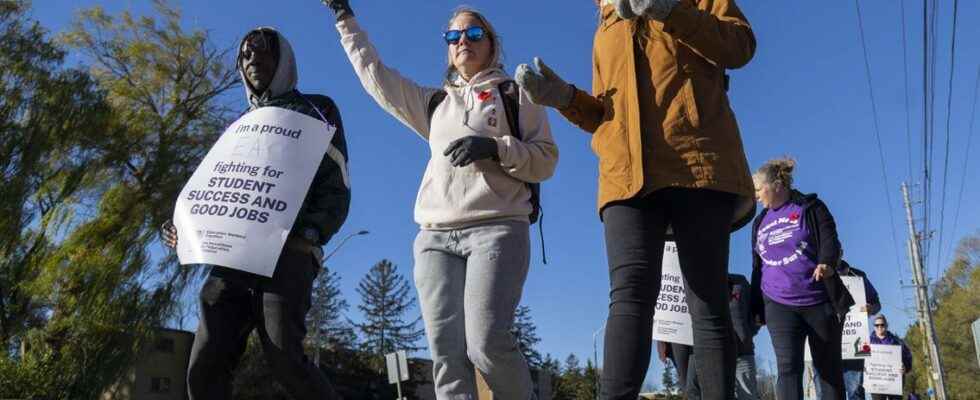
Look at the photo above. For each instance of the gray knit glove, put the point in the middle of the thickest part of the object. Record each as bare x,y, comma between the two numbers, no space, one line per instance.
544,86
624,9
657,10
341,8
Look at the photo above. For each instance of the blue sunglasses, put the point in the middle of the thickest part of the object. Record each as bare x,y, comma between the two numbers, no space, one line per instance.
473,34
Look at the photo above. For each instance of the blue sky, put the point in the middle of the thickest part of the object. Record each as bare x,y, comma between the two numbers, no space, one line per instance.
804,94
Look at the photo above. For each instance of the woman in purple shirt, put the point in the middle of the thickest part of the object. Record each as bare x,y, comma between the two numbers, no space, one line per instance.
796,292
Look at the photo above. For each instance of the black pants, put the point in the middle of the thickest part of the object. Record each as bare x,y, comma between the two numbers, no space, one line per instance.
789,327
235,302
635,232
885,397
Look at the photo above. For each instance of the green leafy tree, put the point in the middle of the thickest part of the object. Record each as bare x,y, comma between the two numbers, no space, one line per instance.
50,119
386,298
526,334
957,300
101,293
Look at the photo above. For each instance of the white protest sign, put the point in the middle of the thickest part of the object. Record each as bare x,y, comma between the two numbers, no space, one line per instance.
672,321
240,204
855,337
883,370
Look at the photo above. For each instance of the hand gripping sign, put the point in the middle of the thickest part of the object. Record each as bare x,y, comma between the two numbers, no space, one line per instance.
855,334
672,320
240,204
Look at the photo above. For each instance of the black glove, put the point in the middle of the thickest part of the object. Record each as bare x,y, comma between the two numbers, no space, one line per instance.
471,148
341,8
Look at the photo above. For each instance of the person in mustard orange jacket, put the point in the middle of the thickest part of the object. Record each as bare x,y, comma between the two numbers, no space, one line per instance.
670,163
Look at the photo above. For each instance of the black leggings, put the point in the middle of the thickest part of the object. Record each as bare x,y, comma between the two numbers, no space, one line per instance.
635,234
789,327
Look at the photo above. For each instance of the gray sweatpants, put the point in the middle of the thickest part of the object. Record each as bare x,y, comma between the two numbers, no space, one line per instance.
470,282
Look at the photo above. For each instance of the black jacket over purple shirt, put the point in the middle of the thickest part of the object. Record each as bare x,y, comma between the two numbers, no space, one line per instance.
823,235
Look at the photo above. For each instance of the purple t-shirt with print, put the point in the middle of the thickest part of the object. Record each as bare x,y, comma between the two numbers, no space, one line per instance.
787,259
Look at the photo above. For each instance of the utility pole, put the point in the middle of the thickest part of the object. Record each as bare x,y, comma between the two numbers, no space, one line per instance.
936,376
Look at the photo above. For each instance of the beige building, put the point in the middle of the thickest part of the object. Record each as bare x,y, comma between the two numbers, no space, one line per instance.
541,381
421,372
161,373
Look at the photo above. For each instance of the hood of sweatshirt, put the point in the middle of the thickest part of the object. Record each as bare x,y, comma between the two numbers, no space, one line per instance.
471,90
285,78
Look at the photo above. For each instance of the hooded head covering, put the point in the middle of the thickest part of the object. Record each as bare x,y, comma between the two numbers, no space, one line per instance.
285,77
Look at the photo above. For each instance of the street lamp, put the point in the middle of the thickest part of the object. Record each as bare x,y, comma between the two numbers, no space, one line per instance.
317,332
358,233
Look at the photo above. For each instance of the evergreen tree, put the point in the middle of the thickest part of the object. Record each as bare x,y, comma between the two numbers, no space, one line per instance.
525,332
669,381
325,323
386,298
574,382
589,377
572,365
551,365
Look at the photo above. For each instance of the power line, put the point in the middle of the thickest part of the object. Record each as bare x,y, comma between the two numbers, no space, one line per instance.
966,156
930,28
925,118
905,64
949,113
874,116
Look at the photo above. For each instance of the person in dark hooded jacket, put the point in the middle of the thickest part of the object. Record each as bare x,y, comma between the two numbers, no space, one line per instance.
234,302
796,291
854,368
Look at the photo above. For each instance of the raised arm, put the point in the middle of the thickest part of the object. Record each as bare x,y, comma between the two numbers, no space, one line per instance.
719,31
399,96
721,34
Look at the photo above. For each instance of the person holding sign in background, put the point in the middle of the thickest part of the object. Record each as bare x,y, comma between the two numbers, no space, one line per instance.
883,336
795,288
854,368
234,302
489,146
671,161
854,353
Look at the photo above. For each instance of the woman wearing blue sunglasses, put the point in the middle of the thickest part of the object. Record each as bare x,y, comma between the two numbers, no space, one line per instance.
489,144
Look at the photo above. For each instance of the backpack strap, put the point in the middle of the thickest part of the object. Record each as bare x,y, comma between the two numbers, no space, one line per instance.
511,96
434,102
510,93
